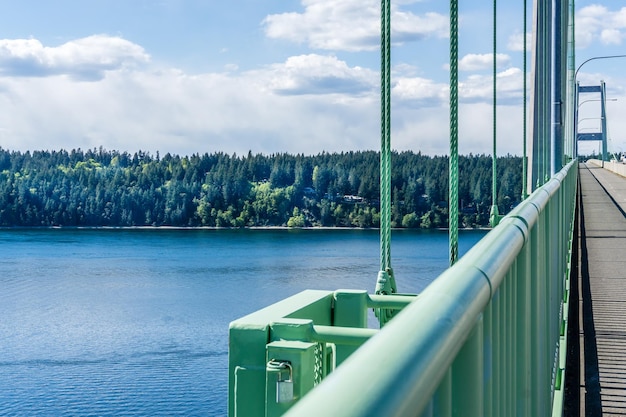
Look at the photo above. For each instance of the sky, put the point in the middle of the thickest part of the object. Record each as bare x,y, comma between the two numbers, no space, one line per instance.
274,76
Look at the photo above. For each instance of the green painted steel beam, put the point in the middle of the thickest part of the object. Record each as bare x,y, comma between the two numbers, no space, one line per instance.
394,301
342,335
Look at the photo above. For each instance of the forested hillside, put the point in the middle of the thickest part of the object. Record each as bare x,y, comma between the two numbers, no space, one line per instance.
108,188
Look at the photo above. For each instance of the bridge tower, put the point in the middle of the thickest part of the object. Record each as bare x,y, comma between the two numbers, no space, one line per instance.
595,135
550,97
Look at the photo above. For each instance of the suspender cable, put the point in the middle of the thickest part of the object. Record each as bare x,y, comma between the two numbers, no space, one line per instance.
547,6
385,283
573,98
494,215
525,157
385,143
453,198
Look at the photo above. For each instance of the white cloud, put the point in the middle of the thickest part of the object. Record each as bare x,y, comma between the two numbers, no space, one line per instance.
86,58
479,88
305,104
596,23
420,89
516,42
477,62
351,25
318,74
172,111
476,129
428,129
611,36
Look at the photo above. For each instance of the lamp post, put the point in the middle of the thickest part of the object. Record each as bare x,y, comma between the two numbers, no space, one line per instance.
594,99
594,58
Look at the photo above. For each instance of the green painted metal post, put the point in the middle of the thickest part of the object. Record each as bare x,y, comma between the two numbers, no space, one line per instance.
442,406
524,335
509,342
501,351
350,311
536,282
301,357
542,330
467,376
488,361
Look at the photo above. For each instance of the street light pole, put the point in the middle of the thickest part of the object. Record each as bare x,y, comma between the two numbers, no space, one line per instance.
594,99
594,58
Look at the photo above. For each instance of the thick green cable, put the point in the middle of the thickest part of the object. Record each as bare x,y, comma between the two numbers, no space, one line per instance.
525,158
454,133
385,146
547,88
573,61
385,284
494,195
494,215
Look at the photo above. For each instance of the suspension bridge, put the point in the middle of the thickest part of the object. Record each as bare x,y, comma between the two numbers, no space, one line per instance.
530,322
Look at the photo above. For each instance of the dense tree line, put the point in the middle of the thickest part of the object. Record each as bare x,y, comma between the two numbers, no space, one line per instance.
109,188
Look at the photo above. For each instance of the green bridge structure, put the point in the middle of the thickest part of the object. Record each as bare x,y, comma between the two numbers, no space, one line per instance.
530,322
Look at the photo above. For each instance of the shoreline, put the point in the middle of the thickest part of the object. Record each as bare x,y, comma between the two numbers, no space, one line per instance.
191,228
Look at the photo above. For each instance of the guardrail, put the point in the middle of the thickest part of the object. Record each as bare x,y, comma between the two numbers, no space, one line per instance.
618,168
486,338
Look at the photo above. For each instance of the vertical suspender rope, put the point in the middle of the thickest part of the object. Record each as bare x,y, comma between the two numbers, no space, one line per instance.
574,87
494,216
453,198
385,284
525,157
547,7
385,143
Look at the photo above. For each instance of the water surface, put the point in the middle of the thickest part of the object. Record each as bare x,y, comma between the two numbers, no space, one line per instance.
135,322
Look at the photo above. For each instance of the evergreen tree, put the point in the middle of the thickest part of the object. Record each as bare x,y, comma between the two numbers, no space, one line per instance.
108,188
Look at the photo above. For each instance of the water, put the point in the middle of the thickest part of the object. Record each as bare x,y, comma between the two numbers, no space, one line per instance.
135,322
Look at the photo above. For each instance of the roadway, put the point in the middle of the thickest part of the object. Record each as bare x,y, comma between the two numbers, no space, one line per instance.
602,292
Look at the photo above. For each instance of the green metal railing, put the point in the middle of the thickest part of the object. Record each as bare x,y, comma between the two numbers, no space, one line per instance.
486,338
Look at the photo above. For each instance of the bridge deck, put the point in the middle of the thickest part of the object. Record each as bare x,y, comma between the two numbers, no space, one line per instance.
603,292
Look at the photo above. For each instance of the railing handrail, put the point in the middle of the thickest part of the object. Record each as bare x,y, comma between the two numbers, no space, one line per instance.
426,336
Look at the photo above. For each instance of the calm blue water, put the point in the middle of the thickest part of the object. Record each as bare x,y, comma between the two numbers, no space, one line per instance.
135,322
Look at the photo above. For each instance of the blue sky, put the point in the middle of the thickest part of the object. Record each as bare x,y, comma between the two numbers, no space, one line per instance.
299,76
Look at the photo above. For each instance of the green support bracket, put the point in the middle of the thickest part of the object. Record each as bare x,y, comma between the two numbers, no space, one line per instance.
300,374
494,216
279,353
248,337
350,308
